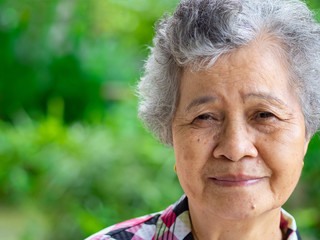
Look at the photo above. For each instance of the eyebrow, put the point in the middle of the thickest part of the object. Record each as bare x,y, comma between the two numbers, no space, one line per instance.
206,99
199,101
267,97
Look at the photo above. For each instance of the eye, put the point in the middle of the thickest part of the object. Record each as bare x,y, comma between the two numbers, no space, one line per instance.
204,117
265,121
205,120
265,115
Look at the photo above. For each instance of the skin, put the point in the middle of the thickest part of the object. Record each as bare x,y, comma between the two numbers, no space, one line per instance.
239,140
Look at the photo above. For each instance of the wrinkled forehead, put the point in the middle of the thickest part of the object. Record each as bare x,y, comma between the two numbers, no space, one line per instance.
250,68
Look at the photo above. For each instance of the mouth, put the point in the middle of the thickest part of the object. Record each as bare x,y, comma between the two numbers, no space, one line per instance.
240,180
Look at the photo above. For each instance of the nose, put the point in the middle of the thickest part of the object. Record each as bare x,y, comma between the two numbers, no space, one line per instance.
235,142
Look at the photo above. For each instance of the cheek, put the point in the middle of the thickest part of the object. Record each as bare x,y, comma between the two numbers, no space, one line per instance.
192,150
286,163
286,147
191,158
283,155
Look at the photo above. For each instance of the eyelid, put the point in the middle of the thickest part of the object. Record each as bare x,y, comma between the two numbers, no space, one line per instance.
271,115
266,112
209,116
212,115
199,117
204,114
206,120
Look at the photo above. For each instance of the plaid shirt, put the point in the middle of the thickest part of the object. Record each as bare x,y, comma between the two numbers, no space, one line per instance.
173,224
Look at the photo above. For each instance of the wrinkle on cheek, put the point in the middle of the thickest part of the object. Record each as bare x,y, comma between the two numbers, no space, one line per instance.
193,148
286,133
187,155
282,194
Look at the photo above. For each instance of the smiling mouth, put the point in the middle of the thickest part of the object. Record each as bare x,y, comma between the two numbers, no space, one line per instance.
231,181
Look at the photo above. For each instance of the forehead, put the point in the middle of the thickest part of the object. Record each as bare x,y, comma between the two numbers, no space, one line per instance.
260,64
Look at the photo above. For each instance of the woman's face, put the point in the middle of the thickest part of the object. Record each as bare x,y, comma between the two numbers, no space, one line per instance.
239,134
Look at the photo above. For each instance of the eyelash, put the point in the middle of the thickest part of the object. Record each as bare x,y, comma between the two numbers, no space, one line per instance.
204,117
264,115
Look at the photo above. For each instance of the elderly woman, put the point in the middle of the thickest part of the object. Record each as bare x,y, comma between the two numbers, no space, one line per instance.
233,86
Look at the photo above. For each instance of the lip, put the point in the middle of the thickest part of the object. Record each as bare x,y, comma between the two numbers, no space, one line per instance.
236,180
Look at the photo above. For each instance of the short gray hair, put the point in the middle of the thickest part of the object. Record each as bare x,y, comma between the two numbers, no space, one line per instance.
200,31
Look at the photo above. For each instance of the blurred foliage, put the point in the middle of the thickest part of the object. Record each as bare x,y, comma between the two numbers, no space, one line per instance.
80,51
80,178
73,157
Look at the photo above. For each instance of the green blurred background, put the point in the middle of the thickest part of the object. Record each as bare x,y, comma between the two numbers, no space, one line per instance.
73,156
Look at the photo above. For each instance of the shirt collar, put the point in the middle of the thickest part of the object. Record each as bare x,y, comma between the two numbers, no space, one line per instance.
175,221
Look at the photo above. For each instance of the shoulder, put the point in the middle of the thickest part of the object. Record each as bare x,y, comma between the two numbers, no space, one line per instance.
173,221
143,227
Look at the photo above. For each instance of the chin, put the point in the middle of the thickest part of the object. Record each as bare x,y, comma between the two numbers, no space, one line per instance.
235,213
237,208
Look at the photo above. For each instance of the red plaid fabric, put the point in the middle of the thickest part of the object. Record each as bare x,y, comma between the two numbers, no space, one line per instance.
173,224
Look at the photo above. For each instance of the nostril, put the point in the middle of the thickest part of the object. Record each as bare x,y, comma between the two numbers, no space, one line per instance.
235,150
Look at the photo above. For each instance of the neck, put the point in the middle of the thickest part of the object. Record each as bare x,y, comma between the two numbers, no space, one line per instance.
208,226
